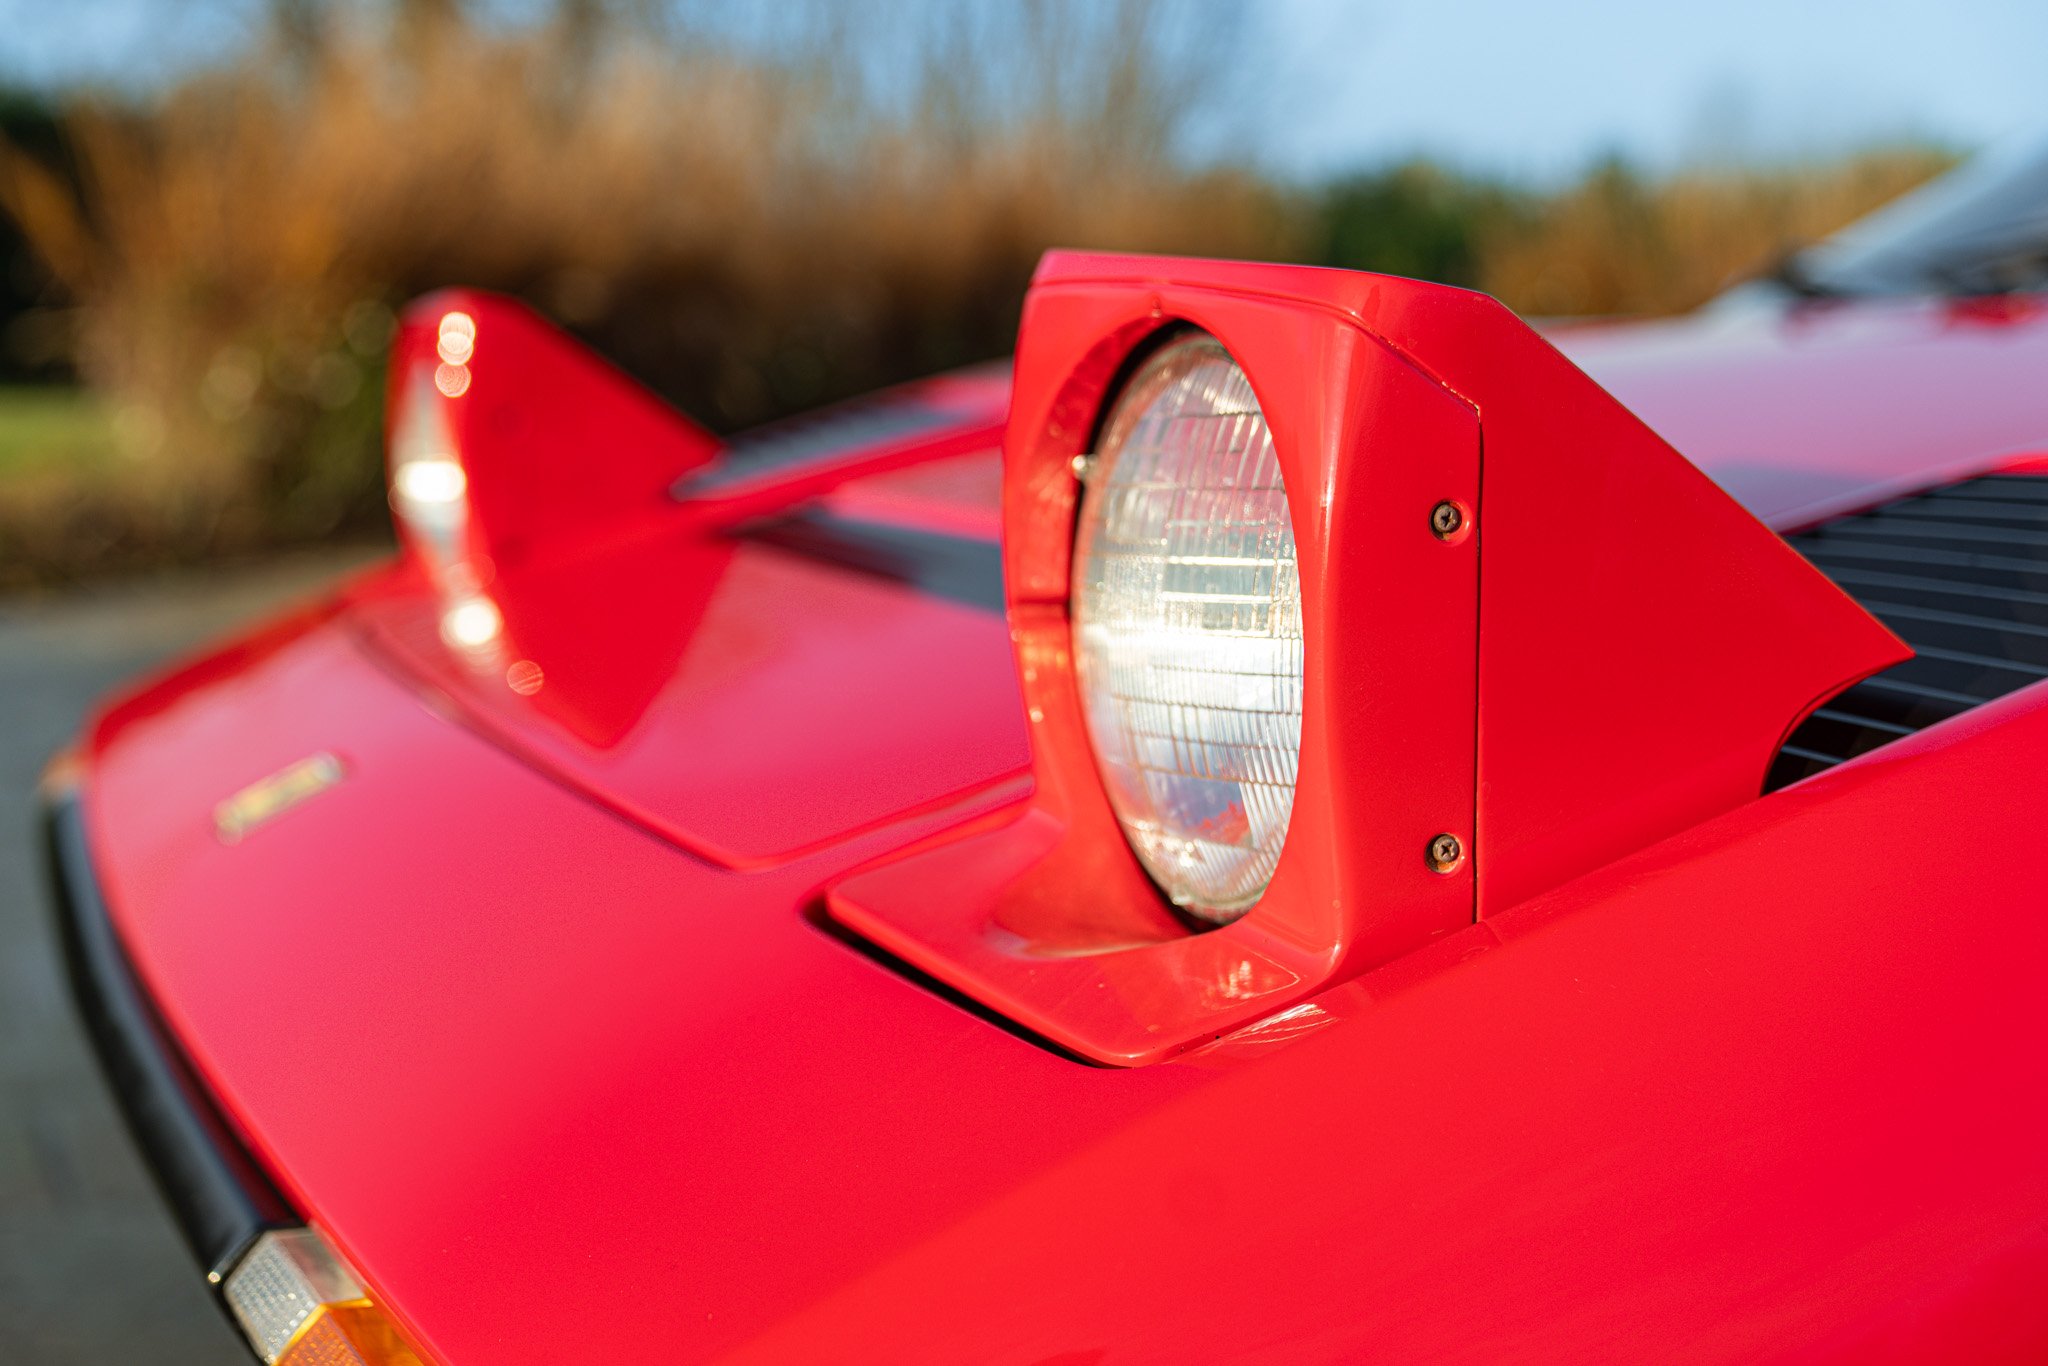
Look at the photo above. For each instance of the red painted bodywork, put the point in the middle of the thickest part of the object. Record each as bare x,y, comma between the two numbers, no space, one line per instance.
537,1016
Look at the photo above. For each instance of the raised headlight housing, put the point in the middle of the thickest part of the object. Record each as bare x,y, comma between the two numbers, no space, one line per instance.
1250,658
1187,628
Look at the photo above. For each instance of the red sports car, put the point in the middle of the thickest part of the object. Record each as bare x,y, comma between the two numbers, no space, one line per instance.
1290,826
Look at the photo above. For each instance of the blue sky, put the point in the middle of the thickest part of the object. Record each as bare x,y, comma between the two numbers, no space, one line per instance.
1524,87
1537,88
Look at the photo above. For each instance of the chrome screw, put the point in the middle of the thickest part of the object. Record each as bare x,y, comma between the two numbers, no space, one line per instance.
1445,519
1445,853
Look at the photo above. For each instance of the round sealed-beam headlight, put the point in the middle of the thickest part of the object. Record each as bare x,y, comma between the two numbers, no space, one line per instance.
1187,628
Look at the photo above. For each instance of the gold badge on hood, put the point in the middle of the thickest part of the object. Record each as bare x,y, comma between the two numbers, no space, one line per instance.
271,797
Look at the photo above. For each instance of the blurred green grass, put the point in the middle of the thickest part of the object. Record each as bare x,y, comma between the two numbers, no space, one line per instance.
46,429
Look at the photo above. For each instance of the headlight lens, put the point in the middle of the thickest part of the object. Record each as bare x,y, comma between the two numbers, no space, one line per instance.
1187,628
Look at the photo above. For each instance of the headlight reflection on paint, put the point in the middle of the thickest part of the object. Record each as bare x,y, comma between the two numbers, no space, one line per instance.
436,479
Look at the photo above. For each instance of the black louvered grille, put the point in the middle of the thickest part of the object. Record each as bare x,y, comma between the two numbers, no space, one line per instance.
1961,573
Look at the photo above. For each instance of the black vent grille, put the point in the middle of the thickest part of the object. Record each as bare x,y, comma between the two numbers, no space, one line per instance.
1961,574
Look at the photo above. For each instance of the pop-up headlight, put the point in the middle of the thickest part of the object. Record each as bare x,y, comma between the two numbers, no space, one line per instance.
1292,654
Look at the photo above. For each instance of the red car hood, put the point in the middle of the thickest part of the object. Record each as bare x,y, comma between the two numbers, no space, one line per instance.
1808,411
534,1013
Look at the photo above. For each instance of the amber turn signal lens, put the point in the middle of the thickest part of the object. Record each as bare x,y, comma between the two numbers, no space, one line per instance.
300,1305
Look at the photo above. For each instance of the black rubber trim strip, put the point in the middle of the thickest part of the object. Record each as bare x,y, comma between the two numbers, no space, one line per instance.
219,1197
964,569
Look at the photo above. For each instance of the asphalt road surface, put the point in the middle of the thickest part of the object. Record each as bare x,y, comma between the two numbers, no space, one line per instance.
91,1269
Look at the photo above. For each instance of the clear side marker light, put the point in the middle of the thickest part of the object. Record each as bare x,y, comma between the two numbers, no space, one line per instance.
300,1305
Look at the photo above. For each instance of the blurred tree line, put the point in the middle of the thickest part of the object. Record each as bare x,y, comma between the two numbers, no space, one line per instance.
753,227
31,351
